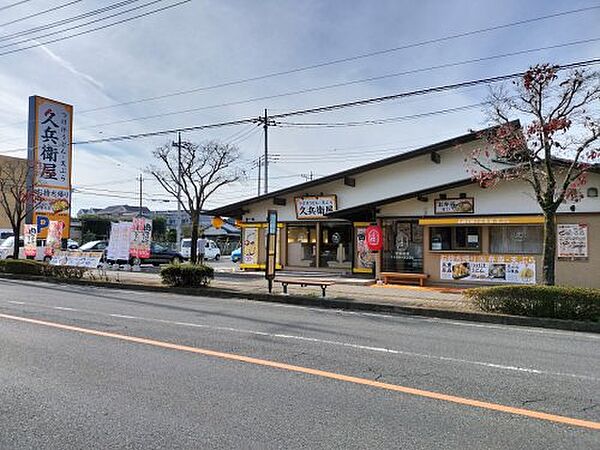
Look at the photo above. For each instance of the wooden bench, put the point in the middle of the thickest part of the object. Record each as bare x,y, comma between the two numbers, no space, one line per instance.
389,277
303,282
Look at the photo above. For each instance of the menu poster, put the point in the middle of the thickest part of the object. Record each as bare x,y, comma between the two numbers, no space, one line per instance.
363,258
250,246
488,268
572,240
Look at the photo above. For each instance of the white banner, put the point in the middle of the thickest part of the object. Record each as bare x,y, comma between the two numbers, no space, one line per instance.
488,268
119,242
90,260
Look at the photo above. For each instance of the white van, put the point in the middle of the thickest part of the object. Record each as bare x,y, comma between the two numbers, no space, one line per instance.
211,250
6,250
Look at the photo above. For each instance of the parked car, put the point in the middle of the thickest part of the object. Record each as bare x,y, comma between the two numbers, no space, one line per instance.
159,255
211,250
236,255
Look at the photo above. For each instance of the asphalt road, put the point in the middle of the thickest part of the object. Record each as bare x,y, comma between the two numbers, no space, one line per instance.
94,387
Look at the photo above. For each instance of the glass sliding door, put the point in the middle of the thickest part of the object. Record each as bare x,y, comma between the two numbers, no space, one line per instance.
402,246
302,245
336,245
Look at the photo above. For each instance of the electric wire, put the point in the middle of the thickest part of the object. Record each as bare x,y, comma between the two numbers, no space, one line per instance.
129,19
65,21
346,59
341,84
40,13
12,5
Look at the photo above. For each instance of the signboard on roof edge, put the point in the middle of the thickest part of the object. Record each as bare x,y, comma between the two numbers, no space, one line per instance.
315,206
50,136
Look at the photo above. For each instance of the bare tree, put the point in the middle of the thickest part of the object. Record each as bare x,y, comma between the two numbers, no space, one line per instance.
553,152
16,200
205,168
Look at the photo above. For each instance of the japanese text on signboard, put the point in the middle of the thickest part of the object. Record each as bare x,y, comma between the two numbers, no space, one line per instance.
315,207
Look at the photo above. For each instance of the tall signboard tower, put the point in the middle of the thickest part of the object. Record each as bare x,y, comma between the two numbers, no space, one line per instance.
50,137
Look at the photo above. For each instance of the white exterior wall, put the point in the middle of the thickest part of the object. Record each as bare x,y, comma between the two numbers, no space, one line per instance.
386,182
514,197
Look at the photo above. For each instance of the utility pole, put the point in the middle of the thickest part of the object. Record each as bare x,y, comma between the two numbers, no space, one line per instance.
266,128
178,145
141,188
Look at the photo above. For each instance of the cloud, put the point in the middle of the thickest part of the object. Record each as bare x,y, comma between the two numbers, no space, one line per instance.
71,68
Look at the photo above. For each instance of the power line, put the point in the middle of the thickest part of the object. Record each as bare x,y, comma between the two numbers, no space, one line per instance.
333,107
148,13
12,5
345,83
31,16
380,121
346,59
65,21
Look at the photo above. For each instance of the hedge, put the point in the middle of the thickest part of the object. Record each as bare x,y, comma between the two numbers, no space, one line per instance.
32,267
187,275
558,302
22,266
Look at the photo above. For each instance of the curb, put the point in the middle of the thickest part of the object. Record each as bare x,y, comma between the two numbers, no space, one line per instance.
336,303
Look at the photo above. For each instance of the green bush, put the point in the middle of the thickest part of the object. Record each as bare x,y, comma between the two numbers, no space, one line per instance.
557,302
187,275
21,266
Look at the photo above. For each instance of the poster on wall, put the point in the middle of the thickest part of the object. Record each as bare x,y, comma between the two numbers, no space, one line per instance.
54,238
141,238
49,153
488,268
315,207
572,240
30,239
119,241
363,257
250,246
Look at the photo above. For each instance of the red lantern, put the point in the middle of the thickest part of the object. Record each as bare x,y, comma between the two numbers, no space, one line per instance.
374,237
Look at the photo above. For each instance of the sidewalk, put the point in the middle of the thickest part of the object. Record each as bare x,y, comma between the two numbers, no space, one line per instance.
397,295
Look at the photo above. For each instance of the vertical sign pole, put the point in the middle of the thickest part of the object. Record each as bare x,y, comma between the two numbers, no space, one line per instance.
271,247
178,244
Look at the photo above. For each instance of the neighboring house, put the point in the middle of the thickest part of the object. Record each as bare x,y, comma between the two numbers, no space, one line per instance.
117,212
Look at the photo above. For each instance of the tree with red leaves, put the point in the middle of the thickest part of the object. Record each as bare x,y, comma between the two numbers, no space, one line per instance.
553,152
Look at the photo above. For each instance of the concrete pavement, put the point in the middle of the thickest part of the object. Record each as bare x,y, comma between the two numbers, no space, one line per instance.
68,389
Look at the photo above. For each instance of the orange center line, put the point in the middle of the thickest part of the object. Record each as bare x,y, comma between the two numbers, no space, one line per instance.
320,373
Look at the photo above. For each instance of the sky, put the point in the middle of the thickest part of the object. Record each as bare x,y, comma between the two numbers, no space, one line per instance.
199,44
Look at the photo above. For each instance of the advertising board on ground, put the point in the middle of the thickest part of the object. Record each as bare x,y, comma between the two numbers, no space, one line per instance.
488,268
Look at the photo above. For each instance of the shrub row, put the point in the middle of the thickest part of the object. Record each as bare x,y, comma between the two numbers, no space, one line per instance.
31,267
187,275
558,302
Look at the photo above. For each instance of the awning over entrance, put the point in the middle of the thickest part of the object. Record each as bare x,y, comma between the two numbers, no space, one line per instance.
482,220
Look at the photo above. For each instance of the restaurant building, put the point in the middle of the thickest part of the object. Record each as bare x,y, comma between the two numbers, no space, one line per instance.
436,222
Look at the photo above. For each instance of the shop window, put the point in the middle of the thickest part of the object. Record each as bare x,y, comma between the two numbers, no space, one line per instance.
402,246
527,239
455,238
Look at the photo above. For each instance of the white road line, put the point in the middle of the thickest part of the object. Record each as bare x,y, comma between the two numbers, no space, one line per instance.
123,316
64,308
15,302
365,347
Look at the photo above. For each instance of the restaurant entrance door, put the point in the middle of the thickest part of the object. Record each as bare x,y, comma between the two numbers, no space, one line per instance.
402,246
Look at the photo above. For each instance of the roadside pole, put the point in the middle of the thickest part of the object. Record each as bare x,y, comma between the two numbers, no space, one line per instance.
271,263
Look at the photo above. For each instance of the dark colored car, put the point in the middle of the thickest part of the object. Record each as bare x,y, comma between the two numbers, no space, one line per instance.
159,255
